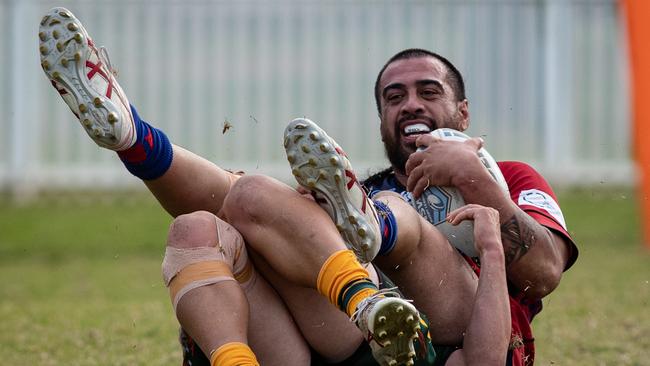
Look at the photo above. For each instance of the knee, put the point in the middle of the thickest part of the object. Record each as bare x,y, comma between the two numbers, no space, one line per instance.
201,250
405,215
196,229
249,199
408,223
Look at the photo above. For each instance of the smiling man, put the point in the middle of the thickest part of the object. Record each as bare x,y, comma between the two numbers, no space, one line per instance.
418,91
414,96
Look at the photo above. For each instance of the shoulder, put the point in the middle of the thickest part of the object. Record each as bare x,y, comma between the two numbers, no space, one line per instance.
519,175
516,167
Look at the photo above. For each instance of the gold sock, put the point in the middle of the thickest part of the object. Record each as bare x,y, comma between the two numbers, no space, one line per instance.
233,354
337,275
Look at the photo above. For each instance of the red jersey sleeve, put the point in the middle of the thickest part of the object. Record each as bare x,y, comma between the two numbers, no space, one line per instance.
530,191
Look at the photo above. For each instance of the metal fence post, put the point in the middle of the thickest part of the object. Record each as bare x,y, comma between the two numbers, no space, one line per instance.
558,114
19,161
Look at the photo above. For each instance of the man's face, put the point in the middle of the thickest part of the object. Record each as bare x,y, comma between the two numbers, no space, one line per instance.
415,98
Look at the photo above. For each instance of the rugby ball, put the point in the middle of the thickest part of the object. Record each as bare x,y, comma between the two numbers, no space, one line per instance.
436,202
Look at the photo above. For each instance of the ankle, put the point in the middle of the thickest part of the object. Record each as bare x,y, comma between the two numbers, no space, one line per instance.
151,155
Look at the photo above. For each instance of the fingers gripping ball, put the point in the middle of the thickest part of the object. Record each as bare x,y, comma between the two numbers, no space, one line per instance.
436,202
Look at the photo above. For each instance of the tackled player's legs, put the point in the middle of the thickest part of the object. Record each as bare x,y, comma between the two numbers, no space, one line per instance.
182,181
82,74
299,241
211,283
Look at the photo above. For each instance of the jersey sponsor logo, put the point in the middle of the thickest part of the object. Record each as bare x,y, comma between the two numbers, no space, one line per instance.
544,201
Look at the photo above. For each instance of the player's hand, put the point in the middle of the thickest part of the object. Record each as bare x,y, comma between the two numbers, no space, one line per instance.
440,162
487,230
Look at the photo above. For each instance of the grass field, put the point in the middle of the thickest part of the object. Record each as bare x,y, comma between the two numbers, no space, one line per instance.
81,284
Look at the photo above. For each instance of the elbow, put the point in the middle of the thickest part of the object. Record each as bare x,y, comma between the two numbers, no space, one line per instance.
547,279
546,273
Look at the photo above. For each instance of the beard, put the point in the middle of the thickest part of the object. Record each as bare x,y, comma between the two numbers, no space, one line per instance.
396,154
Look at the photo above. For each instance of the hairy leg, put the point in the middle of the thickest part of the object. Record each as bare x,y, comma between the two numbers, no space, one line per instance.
212,284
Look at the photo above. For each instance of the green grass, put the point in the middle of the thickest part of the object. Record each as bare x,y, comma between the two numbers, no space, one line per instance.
600,313
81,284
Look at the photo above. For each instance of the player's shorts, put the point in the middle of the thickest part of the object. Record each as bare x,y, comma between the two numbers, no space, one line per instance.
192,354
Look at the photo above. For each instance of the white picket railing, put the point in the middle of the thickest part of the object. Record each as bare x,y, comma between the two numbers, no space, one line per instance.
547,81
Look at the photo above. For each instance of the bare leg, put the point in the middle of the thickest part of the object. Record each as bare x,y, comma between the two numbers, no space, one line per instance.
328,330
294,235
218,312
430,271
191,184
299,241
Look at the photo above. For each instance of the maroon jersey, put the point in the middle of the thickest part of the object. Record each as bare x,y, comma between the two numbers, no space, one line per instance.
530,191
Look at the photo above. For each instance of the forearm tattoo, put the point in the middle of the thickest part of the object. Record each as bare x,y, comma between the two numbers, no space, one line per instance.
517,239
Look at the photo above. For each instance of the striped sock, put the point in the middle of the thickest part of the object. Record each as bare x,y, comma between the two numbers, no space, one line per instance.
233,354
344,281
354,293
151,155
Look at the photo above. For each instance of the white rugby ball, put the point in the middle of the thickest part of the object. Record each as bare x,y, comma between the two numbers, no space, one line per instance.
436,202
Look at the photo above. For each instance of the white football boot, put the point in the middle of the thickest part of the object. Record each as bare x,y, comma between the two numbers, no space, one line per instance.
390,325
320,165
84,78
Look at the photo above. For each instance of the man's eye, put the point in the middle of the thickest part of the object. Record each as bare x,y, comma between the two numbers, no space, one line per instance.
394,97
429,93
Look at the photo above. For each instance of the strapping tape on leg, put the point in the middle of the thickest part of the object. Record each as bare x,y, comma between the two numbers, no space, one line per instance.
178,258
196,275
185,269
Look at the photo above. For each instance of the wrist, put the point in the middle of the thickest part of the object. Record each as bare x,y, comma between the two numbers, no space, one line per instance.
491,252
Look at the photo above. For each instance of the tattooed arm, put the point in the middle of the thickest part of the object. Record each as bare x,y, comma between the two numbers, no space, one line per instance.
535,255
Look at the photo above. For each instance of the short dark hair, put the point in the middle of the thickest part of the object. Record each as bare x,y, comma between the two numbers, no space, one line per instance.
454,78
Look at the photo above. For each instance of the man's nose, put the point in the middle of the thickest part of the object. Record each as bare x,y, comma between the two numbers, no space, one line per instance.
412,105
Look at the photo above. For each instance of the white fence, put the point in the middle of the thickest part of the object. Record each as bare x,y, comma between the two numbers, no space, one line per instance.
547,81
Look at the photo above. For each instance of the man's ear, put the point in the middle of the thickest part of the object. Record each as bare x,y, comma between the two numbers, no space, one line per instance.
463,110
